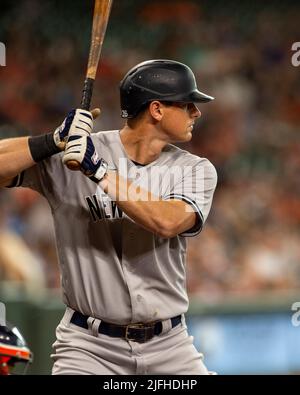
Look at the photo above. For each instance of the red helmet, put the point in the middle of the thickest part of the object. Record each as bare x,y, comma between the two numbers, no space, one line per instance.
13,349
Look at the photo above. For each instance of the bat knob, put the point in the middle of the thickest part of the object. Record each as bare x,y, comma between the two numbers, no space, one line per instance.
73,165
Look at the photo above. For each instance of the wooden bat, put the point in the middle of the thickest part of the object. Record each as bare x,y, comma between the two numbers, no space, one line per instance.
100,20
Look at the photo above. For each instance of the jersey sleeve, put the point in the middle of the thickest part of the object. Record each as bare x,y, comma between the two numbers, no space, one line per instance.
196,187
46,177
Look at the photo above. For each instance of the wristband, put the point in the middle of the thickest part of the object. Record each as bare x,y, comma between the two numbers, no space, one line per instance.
42,147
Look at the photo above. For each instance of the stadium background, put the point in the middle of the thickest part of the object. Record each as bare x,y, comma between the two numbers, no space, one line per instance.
244,269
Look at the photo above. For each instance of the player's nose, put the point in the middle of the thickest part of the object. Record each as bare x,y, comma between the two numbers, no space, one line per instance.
194,111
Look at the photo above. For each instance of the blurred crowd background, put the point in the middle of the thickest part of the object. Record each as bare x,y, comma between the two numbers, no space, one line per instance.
241,55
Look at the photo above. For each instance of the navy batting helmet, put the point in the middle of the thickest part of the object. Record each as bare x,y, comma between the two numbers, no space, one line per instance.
13,349
165,80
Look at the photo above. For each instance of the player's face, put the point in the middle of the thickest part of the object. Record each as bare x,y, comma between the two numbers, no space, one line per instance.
179,120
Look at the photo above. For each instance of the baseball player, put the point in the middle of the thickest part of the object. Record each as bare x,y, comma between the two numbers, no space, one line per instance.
121,224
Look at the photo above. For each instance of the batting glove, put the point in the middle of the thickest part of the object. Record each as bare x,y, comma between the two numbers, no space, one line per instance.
82,150
78,122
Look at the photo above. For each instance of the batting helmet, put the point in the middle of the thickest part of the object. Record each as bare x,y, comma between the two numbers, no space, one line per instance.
13,349
165,80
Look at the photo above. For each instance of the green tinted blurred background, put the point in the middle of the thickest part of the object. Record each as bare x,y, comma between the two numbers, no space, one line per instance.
244,268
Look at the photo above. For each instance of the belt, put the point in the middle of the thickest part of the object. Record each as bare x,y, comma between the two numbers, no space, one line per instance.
135,332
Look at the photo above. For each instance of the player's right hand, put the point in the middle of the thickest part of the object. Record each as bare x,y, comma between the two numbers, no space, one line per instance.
77,123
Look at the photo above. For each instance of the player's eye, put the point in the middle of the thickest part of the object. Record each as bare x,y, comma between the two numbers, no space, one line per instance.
183,106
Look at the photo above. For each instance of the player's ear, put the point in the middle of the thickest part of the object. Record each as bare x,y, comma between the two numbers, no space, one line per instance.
96,112
156,110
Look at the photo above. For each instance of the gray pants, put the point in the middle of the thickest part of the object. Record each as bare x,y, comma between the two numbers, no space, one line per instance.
85,351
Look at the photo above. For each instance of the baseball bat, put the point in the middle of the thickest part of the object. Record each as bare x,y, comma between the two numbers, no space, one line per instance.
100,19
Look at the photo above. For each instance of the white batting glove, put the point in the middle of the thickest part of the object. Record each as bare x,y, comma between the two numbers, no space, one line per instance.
78,122
82,150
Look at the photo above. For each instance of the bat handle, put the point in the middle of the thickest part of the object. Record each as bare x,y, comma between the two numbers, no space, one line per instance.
85,105
87,93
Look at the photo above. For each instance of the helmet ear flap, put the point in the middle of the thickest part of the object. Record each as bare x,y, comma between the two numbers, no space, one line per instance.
5,365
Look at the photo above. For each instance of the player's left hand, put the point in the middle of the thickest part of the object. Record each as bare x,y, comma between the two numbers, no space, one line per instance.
82,150
77,122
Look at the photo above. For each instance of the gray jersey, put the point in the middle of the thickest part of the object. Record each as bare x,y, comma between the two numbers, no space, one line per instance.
112,268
